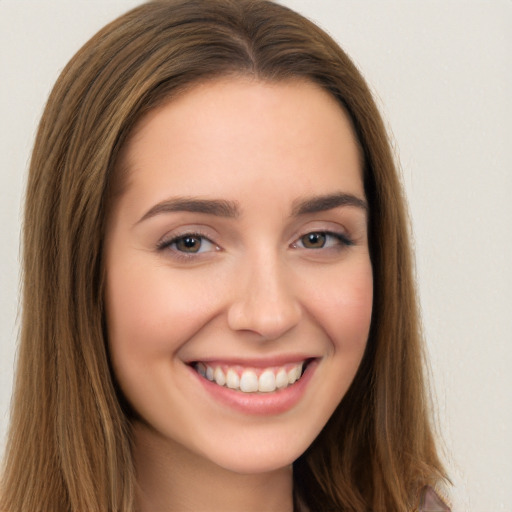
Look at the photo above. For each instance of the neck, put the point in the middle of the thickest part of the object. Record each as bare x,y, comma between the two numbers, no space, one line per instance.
172,478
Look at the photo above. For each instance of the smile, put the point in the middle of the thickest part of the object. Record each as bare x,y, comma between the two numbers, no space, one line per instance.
251,380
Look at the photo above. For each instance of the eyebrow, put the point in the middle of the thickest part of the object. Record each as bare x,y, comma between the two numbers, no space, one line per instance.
217,207
231,209
327,202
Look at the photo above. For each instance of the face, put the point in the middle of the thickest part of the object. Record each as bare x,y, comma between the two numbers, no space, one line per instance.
239,283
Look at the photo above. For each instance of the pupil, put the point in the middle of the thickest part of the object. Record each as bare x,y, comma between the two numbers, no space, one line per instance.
314,240
189,244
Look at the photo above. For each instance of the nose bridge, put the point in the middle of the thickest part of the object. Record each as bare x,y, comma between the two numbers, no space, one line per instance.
265,301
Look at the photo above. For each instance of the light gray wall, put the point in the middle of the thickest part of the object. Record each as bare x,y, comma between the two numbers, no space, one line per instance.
442,73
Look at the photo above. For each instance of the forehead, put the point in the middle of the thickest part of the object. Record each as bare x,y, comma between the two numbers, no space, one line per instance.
242,131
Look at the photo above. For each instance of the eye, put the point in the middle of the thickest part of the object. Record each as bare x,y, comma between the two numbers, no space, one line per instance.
314,240
322,240
189,244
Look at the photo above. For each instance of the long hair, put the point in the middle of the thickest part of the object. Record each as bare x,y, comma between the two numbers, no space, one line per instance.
69,445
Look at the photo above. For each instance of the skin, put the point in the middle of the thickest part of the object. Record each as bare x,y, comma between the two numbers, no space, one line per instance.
255,290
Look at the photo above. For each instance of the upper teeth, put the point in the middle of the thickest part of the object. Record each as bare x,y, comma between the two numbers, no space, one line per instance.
248,381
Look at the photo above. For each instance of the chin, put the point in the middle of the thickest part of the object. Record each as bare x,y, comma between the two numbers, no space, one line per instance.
259,454
261,463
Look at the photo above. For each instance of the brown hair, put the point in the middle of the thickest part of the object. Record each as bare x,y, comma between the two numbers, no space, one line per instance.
69,443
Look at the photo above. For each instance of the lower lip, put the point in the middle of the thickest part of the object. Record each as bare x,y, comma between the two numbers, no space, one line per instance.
276,402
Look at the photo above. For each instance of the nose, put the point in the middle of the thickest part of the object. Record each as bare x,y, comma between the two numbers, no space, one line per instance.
264,302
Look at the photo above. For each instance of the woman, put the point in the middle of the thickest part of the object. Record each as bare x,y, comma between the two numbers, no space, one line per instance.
218,307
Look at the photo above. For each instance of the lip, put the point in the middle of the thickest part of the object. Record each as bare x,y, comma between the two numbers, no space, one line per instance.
262,362
276,402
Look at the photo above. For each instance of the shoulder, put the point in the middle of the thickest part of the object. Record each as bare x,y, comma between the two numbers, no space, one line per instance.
430,501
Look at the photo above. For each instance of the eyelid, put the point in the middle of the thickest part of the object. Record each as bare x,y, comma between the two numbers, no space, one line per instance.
168,240
343,239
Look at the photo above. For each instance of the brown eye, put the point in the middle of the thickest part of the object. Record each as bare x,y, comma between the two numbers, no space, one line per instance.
190,244
314,240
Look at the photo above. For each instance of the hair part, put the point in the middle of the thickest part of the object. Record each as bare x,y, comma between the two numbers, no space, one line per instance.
69,445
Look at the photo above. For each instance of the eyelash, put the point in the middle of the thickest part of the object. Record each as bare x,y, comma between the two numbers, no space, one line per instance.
341,241
168,243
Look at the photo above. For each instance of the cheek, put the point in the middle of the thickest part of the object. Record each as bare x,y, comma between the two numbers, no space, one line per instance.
151,312
342,305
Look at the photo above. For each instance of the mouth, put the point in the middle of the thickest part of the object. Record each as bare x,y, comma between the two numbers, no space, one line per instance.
251,380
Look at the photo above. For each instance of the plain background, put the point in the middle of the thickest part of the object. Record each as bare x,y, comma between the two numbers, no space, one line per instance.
442,73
